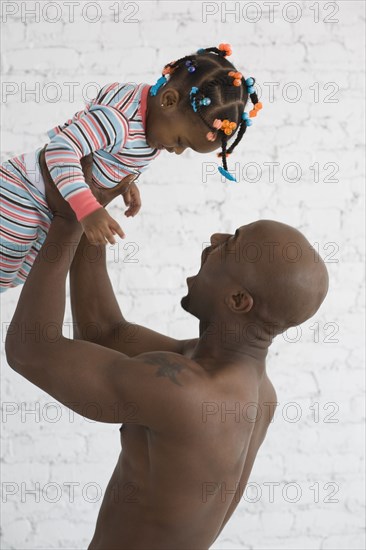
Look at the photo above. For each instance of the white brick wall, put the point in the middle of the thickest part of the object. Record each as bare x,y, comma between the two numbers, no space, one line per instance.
322,368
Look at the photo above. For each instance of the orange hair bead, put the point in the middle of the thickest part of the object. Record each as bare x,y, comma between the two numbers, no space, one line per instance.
252,113
237,82
226,48
258,106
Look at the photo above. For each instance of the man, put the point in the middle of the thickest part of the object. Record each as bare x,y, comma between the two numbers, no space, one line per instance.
194,412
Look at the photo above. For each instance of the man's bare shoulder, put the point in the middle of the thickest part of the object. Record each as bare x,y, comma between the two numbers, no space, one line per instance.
178,368
172,387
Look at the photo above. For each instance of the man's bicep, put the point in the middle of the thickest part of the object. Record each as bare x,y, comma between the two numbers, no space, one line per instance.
82,375
133,339
105,385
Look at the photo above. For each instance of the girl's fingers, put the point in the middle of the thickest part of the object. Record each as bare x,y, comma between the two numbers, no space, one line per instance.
136,201
127,198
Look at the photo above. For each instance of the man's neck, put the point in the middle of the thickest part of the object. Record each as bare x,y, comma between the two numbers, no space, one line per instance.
224,342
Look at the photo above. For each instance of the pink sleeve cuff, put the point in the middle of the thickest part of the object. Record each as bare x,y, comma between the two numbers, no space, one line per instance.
84,203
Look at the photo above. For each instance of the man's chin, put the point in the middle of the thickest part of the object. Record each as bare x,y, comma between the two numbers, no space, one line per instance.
185,303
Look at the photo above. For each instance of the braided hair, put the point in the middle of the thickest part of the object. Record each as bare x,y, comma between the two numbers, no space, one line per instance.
207,72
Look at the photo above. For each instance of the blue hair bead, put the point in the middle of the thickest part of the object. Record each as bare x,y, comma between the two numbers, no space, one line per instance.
226,174
193,91
191,69
205,101
159,83
251,90
249,122
201,50
249,81
245,116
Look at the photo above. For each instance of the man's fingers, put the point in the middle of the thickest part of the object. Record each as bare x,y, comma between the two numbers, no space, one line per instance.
109,237
95,237
116,228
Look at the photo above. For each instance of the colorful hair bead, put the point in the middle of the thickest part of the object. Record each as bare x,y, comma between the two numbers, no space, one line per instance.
226,174
217,123
249,81
237,78
226,49
228,127
205,101
201,50
192,98
159,83
211,136
191,66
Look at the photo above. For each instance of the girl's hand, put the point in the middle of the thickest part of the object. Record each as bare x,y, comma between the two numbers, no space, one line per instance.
99,227
126,188
132,199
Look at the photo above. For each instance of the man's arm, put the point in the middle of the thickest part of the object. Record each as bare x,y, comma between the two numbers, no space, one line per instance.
97,382
97,315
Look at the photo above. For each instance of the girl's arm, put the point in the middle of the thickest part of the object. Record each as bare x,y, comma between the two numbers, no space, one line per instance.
102,127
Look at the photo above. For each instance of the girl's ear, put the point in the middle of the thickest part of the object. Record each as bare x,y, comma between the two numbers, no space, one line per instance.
240,301
169,98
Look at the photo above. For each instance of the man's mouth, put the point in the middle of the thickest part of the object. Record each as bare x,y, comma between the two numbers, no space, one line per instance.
205,254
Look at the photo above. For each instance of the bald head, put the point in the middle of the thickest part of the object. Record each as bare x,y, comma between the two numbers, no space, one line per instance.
285,275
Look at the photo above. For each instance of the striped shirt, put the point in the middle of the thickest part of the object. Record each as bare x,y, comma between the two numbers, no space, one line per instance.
112,127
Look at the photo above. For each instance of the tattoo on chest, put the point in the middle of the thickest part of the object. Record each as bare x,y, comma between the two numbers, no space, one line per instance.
167,367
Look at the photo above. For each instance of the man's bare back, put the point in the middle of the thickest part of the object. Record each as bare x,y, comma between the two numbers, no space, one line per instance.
176,487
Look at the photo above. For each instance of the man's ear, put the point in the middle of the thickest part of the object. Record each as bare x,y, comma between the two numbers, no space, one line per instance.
240,301
169,98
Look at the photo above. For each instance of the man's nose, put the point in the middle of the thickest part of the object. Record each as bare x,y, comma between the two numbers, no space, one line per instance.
217,238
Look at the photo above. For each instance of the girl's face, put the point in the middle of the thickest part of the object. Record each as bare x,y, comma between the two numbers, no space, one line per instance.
168,128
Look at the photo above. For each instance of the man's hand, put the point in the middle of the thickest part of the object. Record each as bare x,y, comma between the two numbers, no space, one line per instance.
57,204
99,227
